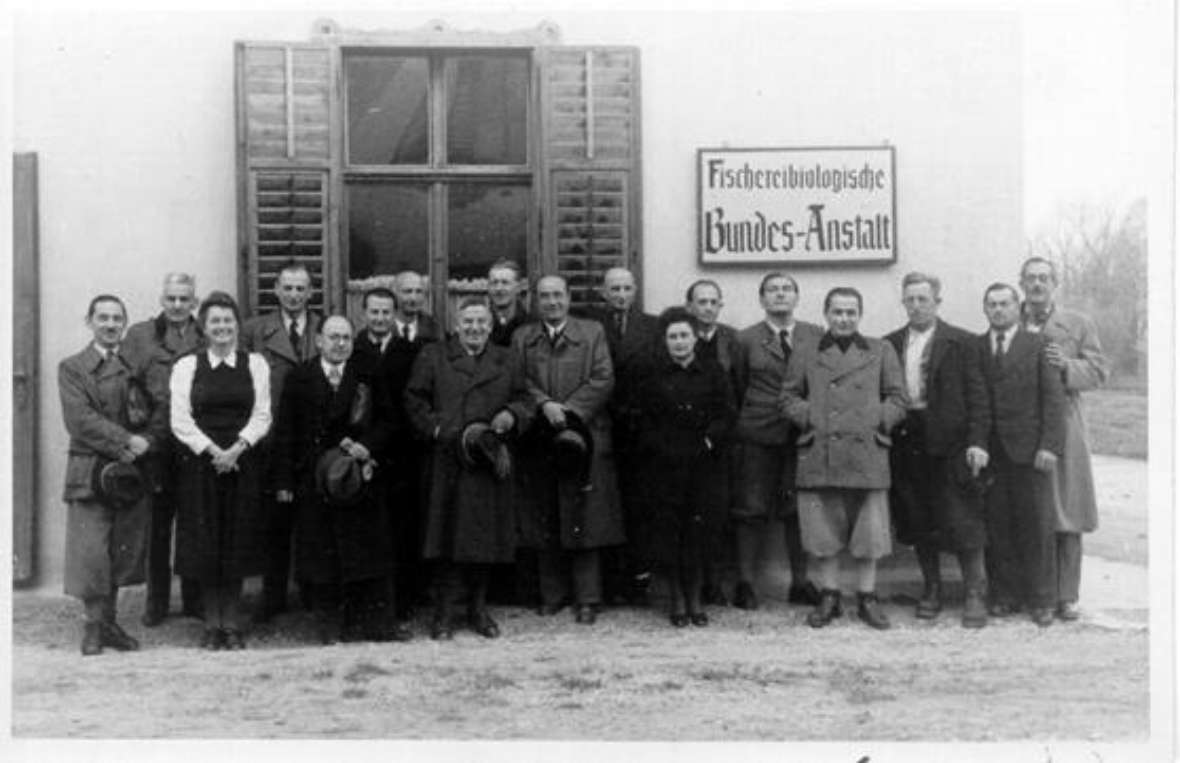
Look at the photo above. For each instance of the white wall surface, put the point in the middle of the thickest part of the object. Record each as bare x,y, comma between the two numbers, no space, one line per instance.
132,118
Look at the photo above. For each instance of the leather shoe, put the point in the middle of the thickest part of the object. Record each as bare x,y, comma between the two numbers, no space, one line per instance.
679,620
153,615
828,609
234,640
548,610
1068,611
483,624
868,609
587,614
712,594
744,596
1002,609
212,639
803,593
699,619
974,610
117,638
1042,616
92,639
441,630
931,602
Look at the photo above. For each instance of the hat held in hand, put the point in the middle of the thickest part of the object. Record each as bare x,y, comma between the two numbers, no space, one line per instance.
340,478
118,483
573,450
480,447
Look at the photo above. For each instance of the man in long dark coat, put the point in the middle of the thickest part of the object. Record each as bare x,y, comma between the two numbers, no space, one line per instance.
566,515
940,448
152,346
464,395
334,401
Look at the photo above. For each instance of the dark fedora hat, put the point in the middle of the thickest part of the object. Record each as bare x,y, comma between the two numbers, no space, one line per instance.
118,483
480,447
339,478
573,449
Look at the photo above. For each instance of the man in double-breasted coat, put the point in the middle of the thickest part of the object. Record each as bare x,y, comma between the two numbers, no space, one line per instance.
152,346
845,395
1027,402
766,441
106,540
569,377
335,401
939,449
285,338
1074,350
457,388
631,336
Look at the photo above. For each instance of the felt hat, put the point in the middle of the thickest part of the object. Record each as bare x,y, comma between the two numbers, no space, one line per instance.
339,478
480,447
118,483
573,449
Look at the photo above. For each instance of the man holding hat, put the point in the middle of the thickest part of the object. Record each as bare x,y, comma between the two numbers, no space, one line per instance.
571,505
112,426
467,398
333,419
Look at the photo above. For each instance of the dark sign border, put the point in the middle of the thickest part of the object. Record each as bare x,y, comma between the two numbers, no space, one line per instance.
809,262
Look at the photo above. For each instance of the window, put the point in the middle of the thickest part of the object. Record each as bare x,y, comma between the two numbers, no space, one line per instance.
366,154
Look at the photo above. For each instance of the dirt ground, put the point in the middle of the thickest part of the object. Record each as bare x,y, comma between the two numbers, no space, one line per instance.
748,676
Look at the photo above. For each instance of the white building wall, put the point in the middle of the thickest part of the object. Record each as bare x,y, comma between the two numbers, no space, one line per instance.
132,118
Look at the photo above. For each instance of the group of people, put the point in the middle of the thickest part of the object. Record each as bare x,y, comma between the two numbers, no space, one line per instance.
540,457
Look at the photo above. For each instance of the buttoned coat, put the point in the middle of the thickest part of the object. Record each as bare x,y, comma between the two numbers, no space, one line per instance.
94,408
844,404
332,544
760,377
631,354
726,351
577,372
1086,368
470,515
957,411
1026,396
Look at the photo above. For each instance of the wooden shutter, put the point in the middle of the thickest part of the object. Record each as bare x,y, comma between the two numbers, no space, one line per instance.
590,171
285,168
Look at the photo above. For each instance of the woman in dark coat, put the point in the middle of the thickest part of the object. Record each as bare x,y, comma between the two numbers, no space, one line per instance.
333,402
686,414
220,410
467,398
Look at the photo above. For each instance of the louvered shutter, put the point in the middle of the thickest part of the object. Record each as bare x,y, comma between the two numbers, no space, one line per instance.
590,164
285,162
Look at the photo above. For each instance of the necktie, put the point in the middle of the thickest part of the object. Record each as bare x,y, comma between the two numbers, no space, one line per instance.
554,336
621,323
406,333
784,339
296,344
999,356
334,377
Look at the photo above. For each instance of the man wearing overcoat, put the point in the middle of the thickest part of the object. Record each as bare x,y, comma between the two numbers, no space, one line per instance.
1074,350
765,491
568,515
285,338
1027,400
939,449
152,346
334,401
844,395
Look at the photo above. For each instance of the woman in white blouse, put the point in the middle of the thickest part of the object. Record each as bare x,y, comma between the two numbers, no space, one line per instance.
220,410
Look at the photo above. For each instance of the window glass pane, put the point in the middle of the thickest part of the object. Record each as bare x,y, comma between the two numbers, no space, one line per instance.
387,228
486,109
486,221
387,109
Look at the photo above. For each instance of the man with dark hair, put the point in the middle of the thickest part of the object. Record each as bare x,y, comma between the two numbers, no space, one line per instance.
1027,401
571,506
844,394
152,346
508,311
1072,348
765,467
940,448
285,338
631,335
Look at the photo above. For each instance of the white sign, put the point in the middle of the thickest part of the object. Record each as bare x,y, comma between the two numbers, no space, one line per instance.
796,205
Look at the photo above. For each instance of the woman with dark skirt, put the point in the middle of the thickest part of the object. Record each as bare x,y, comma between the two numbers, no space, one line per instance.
220,410
686,414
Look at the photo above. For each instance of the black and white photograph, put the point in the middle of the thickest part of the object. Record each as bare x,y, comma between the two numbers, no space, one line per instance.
541,381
